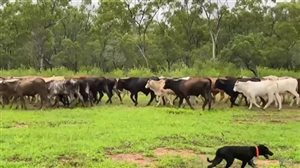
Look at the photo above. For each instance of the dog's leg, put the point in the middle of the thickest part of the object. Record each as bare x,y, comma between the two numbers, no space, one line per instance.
251,163
229,162
244,164
215,162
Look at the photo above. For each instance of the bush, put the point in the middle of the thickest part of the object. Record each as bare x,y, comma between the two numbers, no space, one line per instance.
143,72
204,69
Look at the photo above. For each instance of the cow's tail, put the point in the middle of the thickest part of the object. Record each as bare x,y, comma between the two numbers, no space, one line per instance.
210,82
209,88
208,93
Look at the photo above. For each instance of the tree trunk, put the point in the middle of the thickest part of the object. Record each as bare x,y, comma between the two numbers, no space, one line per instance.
142,51
41,62
213,45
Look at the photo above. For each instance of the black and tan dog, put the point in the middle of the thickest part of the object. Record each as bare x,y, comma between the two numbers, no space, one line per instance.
243,153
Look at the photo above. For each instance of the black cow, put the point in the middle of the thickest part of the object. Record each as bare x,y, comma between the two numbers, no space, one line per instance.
191,87
111,82
135,85
97,85
84,90
227,85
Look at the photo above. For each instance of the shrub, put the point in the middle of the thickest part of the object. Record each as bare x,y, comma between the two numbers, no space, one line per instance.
205,69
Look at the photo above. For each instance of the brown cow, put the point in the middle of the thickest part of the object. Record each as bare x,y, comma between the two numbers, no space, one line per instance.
7,90
27,87
191,87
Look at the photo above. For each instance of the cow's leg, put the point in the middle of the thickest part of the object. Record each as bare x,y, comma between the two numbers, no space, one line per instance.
188,102
81,99
18,102
136,99
222,95
295,94
279,101
159,100
180,102
2,103
232,100
14,100
23,104
204,103
57,98
262,101
245,98
119,95
170,100
152,96
131,97
5,101
65,100
92,98
255,103
42,102
163,100
214,95
109,95
209,99
250,105
175,99
100,97
270,100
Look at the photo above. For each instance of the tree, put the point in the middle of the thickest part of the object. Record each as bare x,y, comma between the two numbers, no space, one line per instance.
141,14
214,13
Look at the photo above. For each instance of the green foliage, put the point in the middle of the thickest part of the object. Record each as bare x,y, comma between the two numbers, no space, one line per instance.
125,35
204,69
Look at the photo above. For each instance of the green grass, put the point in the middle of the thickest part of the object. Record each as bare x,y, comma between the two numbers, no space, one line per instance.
83,137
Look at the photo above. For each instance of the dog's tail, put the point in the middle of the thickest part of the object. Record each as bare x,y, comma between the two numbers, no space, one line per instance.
210,161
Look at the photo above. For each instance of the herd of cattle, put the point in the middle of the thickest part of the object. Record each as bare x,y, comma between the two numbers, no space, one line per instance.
87,91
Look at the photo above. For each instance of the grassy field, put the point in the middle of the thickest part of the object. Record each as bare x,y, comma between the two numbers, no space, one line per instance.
94,136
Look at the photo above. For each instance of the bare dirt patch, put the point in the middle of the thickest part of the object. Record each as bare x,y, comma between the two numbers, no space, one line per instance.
172,152
279,118
186,153
20,125
71,160
267,163
136,158
143,161
18,158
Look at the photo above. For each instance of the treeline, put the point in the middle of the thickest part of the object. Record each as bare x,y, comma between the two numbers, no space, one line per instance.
160,35
210,70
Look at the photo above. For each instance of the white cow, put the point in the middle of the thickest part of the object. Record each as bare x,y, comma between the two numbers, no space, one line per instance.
286,84
158,88
253,89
